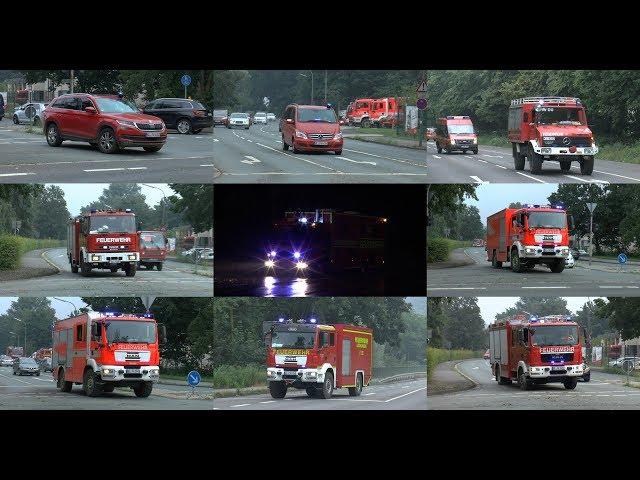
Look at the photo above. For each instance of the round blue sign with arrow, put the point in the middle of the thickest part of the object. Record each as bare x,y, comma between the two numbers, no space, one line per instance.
622,258
185,80
193,378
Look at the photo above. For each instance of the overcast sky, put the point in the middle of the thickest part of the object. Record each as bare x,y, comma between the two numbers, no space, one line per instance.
78,195
63,309
494,197
490,306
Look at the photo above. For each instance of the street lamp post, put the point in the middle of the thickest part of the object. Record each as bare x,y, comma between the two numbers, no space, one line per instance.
325,87
17,337
303,75
164,201
591,207
25,334
75,309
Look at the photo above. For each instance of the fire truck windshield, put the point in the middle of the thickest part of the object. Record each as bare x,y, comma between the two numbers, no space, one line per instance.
119,331
547,220
551,335
113,224
152,240
557,116
316,115
292,339
460,129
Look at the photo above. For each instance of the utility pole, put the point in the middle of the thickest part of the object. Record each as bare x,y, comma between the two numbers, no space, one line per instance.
164,201
591,207
72,78
325,87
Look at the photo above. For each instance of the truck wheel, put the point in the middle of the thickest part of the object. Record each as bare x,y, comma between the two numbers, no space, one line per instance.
494,261
63,385
159,266
312,391
89,384
558,266
357,390
587,377
366,123
130,270
518,158
464,152
502,380
84,268
475,151
74,268
586,165
570,383
143,389
285,145
107,142
516,264
565,165
108,388
438,147
277,389
113,269
53,135
535,162
523,381
327,386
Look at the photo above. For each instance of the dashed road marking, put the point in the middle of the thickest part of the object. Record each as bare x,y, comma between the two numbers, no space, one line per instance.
15,174
532,178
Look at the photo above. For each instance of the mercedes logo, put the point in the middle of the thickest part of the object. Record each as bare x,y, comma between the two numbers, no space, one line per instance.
566,140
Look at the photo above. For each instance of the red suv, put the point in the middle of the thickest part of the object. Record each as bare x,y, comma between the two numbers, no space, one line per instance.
311,128
103,121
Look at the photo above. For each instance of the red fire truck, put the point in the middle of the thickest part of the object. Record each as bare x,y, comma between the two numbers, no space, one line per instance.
537,350
529,236
359,112
101,351
551,128
384,112
105,239
15,352
326,239
153,248
317,358
43,353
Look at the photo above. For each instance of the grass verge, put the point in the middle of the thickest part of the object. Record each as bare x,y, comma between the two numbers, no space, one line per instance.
436,356
440,248
13,247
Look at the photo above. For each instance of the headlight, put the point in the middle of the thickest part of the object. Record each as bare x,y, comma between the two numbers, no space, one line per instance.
338,136
132,257
588,151
95,258
530,250
269,264
108,372
154,373
312,374
301,265
300,134
126,123
475,141
453,142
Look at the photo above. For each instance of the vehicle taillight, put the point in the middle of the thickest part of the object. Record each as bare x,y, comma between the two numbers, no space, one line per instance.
199,113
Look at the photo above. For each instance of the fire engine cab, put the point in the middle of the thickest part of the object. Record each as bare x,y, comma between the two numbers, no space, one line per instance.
105,239
104,350
359,112
551,128
317,358
537,350
529,236
384,112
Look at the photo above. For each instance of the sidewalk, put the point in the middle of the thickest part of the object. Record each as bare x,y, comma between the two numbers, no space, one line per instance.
32,265
605,266
445,379
457,258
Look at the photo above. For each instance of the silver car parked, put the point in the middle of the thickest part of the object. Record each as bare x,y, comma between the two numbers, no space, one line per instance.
28,112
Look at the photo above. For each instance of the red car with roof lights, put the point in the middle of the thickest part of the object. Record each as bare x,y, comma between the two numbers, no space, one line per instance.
103,121
311,128
456,133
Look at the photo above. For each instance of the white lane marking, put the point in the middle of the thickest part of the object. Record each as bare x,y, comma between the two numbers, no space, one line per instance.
240,405
459,288
546,287
370,393
251,160
15,174
617,286
491,156
532,178
216,140
137,168
401,160
500,166
405,394
268,401
209,165
356,161
113,169
299,158
587,181
435,156
477,179
616,175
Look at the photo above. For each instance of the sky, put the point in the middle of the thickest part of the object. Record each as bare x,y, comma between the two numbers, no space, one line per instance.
63,309
490,306
494,197
78,195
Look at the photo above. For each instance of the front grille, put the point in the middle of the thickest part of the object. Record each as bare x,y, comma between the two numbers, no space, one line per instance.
556,357
464,142
320,136
571,142
149,126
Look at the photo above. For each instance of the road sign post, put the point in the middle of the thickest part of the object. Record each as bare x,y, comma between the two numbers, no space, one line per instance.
193,379
186,81
421,103
622,260
591,207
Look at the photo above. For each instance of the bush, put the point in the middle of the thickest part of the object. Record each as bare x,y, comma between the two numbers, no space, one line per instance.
438,250
436,356
10,252
233,376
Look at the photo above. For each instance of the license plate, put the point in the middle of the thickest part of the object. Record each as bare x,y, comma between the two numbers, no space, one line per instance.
321,143
153,134
557,368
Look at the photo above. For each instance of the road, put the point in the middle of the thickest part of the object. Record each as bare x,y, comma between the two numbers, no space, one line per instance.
27,158
256,156
603,392
495,165
175,279
40,393
407,395
480,279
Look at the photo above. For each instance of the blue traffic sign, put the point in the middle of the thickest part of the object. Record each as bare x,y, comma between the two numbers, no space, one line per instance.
421,103
193,378
622,258
185,80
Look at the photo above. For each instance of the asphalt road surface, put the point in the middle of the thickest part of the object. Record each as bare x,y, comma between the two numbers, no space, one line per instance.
408,395
603,392
256,156
27,158
175,279
495,165
480,279
40,393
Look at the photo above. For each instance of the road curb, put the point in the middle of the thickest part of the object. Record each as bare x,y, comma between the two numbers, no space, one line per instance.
455,367
239,392
400,377
452,263
361,139
43,255
183,383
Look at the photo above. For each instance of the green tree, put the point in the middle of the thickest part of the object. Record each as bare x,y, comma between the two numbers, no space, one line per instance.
123,196
464,326
539,306
35,316
51,213
195,203
87,81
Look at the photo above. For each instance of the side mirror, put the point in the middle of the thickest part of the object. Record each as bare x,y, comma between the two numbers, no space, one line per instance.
162,334
95,330
90,110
